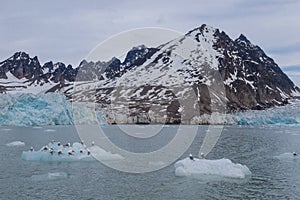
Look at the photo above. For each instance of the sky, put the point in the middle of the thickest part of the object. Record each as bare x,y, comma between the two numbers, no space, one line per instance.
67,30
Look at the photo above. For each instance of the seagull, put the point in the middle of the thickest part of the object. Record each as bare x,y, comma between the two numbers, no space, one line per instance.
70,152
51,151
45,148
191,157
202,155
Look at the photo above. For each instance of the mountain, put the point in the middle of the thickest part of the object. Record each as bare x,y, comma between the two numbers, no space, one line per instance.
195,75
21,73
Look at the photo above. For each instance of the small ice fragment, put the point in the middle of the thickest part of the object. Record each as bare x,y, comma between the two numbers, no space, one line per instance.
15,143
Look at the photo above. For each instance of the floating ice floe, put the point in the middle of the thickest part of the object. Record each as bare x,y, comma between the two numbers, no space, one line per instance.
288,156
56,152
5,129
15,143
101,154
50,176
37,127
49,130
222,167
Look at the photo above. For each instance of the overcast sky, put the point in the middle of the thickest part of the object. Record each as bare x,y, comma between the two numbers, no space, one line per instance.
67,30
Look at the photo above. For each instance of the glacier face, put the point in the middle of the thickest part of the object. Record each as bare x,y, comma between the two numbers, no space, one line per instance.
33,110
288,115
55,109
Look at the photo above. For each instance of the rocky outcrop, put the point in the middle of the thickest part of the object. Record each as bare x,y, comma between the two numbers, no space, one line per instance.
252,79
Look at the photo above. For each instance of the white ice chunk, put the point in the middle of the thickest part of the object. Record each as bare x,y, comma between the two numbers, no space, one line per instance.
101,154
50,130
288,156
222,167
15,143
49,176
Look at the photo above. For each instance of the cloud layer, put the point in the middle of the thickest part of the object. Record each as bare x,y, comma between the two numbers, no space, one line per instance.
67,30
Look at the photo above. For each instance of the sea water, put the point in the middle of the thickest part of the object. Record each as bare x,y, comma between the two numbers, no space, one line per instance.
261,149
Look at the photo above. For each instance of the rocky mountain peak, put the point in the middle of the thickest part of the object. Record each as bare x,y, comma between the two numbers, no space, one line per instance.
20,56
243,38
201,29
252,80
244,41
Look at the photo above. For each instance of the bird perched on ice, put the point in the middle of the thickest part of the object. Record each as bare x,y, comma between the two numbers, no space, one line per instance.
202,155
295,154
191,157
51,151
67,145
45,148
70,152
31,149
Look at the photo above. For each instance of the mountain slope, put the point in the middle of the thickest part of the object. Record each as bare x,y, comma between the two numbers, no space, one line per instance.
199,73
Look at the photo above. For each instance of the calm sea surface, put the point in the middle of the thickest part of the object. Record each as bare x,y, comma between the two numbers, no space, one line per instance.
256,147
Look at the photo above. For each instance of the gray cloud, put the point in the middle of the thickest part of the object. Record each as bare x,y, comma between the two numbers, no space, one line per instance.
67,30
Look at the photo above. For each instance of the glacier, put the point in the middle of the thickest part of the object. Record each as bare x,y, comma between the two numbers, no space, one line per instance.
54,109
25,109
288,115
33,110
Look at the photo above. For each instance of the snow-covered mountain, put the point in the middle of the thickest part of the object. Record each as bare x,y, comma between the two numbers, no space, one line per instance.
202,72
20,73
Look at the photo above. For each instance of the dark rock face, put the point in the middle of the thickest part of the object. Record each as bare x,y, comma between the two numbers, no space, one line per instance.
114,68
252,80
260,83
21,66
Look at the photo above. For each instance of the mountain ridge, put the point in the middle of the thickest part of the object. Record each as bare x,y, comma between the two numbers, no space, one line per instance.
199,60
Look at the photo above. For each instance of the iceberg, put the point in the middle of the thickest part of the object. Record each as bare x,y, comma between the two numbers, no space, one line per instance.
203,167
56,152
15,143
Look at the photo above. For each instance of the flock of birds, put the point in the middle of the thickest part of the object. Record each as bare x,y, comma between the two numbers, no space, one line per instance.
59,148
70,151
